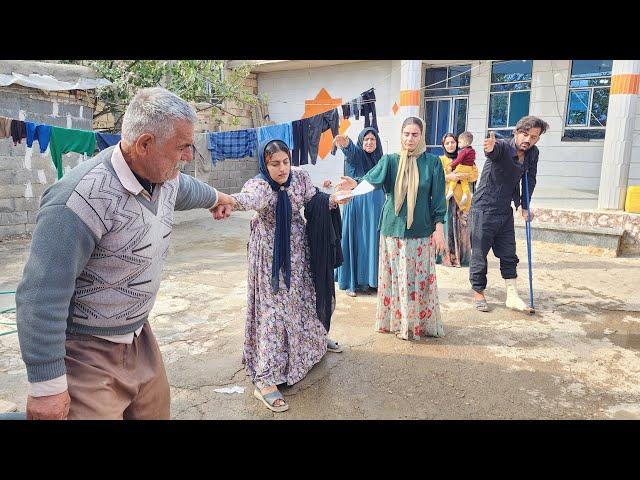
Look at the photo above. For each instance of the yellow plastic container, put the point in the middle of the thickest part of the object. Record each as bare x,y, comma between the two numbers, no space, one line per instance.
632,204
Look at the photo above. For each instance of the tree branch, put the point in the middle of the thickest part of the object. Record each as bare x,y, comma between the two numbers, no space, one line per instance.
128,69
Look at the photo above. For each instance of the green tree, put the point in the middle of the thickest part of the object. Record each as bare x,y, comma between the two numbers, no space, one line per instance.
204,82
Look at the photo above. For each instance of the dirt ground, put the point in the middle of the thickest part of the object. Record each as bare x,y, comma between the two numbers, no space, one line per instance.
577,358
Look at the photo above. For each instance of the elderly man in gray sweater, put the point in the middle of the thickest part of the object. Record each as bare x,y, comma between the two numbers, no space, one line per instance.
101,236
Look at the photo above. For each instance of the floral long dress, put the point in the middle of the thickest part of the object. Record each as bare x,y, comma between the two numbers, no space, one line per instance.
283,337
407,289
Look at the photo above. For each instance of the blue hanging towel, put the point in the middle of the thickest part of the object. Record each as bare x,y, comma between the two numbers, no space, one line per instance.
106,140
232,144
36,131
281,131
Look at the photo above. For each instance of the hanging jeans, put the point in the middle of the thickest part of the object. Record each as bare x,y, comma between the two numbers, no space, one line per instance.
346,111
300,134
356,104
318,124
369,108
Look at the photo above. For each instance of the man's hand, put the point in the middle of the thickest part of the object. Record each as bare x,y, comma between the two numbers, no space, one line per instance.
51,407
326,184
526,214
221,211
490,142
223,207
341,140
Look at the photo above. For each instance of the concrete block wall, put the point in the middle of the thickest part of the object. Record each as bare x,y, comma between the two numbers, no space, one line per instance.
214,119
63,109
228,176
24,172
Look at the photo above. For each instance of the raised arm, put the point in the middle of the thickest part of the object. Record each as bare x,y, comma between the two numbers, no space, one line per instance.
378,174
255,195
492,148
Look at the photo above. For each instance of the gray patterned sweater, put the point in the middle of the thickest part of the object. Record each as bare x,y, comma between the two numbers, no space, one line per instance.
96,259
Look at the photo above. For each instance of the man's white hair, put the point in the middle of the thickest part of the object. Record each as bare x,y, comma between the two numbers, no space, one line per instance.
155,111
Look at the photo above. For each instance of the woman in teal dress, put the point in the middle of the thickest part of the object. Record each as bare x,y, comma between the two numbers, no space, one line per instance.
361,217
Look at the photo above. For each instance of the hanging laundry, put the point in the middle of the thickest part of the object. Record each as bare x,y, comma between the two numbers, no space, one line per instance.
106,140
356,105
318,124
232,144
5,127
346,111
65,140
18,131
369,108
39,132
280,131
300,133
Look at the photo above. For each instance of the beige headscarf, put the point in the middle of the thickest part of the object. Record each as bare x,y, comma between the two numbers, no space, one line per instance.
408,177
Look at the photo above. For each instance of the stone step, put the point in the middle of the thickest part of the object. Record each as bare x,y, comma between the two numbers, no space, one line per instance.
597,240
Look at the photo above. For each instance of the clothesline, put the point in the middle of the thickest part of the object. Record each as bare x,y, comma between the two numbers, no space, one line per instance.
58,140
235,143
301,136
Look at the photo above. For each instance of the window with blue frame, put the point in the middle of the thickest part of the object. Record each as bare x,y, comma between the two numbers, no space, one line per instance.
588,101
509,95
446,103
447,81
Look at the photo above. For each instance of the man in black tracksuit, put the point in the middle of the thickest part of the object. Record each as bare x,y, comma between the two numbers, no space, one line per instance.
491,217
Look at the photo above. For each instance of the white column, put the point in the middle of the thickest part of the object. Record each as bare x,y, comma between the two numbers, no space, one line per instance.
410,76
616,157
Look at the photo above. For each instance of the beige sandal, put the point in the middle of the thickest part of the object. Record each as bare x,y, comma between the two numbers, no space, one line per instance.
270,398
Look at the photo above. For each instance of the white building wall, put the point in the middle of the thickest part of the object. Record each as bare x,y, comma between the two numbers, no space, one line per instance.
574,165
344,81
392,124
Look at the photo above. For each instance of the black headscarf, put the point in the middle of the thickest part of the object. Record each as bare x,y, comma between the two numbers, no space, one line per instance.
282,240
451,155
369,160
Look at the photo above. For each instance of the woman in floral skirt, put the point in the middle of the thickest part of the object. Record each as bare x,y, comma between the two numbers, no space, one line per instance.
411,233
284,338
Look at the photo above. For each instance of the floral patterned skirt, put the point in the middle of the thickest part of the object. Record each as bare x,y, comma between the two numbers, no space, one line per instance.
407,288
